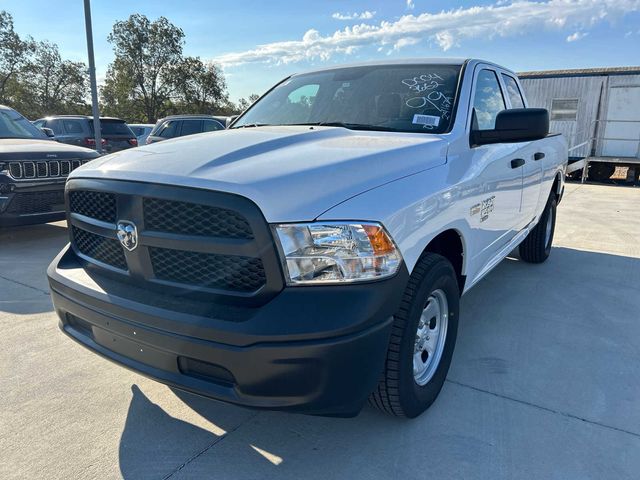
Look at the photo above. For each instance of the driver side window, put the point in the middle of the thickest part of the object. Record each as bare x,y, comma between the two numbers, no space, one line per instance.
488,100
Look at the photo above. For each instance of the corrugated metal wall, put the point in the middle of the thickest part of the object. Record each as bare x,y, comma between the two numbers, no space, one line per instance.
592,94
541,91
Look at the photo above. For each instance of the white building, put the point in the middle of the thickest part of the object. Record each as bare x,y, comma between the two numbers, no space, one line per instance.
597,109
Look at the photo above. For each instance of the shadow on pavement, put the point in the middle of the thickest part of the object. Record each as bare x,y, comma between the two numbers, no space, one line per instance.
153,443
468,430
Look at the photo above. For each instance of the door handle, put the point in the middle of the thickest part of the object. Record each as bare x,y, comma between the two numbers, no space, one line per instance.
538,156
517,162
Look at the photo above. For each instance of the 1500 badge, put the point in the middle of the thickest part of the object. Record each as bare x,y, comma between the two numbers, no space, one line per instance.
484,208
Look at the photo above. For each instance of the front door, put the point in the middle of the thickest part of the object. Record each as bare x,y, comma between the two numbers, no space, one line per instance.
494,212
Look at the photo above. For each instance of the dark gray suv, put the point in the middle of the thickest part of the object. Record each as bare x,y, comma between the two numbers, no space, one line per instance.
78,130
33,171
182,125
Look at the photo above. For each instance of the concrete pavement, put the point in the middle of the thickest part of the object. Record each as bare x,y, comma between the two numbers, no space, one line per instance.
544,381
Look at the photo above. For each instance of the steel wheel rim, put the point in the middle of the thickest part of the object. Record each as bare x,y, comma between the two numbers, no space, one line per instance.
430,338
548,229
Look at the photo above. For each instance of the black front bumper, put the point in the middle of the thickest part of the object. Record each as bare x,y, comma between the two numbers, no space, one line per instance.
28,203
317,350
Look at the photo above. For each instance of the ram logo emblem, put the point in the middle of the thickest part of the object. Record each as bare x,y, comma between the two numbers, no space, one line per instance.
128,235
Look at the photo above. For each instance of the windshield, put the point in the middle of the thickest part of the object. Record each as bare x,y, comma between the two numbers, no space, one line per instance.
14,125
402,98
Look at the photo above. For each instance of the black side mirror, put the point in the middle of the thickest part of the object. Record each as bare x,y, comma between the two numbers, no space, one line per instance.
48,132
515,125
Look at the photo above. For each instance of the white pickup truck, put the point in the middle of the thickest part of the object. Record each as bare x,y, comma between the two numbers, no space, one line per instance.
311,257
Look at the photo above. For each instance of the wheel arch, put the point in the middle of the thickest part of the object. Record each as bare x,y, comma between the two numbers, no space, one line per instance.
557,184
450,243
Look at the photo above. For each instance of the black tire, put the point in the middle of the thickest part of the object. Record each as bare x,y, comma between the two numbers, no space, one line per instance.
537,247
601,172
397,392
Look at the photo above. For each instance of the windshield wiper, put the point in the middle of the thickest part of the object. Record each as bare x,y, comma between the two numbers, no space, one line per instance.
351,126
252,125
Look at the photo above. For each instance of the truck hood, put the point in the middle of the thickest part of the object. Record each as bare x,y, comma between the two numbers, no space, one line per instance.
293,173
9,147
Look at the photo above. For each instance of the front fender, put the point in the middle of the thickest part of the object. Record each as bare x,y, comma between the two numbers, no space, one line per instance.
414,209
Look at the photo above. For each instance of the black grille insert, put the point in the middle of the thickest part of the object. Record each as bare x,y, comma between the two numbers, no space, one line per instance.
29,169
37,202
42,169
194,219
226,272
15,169
98,205
105,250
54,169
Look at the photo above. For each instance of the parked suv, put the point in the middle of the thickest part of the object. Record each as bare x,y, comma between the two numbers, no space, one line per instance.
182,125
78,130
33,170
312,255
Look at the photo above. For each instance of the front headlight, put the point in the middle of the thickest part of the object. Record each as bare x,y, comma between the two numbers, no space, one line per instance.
336,252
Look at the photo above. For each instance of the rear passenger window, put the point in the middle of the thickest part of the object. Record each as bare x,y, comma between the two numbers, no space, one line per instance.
72,126
56,126
488,100
513,91
211,126
189,127
168,130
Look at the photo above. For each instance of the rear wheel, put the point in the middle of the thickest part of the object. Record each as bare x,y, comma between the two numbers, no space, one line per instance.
422,340
537,246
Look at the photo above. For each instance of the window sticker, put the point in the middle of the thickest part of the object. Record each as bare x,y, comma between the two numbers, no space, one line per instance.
426,120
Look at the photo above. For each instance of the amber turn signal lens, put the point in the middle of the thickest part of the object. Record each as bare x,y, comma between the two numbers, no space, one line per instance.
380,241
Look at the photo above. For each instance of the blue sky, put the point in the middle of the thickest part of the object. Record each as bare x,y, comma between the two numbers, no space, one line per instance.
260,42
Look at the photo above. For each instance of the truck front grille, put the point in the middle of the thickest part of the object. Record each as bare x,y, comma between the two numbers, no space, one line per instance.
27,203
102,249
30,169
98,205
244,274
188,241
194,219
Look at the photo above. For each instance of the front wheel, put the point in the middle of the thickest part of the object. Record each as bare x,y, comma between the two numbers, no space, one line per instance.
537,246
422,340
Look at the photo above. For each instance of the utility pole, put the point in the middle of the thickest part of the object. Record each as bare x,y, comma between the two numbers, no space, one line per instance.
92,77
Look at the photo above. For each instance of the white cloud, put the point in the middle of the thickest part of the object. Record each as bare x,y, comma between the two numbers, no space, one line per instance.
411,4
574,37
366,15
446,29
405,42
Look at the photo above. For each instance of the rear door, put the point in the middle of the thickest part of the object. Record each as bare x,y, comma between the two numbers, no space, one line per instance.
531,152
58,130
74,131
190,127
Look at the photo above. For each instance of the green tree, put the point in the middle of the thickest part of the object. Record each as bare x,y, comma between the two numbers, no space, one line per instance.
118,97
51,85
145,53
198,87
14,55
